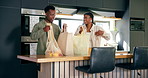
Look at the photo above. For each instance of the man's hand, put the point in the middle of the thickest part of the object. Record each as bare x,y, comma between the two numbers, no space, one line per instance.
64,27
81,29
99,33
46,28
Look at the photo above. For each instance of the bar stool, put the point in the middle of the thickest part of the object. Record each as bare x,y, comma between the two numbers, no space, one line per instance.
102,59
139,60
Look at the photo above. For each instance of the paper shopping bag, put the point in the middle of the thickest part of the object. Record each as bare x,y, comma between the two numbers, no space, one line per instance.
65,42
81,44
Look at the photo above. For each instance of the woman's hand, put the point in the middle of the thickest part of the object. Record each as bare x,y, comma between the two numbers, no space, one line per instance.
99,33
81,29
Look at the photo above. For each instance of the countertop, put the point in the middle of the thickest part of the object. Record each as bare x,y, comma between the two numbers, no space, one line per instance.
45,59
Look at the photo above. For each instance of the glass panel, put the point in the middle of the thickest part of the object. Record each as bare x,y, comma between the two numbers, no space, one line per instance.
56,22
104,25
72,25
33,48
137,24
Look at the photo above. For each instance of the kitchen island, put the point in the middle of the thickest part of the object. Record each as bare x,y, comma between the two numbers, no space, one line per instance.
64,66
46,59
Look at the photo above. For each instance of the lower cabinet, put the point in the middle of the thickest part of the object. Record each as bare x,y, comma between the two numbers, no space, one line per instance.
66,69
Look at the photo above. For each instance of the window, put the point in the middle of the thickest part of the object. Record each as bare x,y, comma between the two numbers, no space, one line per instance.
56,22
72,25
104,24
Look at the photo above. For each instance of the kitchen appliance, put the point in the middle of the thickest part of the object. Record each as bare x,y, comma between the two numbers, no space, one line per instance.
137,24
27,23
29,18
137,32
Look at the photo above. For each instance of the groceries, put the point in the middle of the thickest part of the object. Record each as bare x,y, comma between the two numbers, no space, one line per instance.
52,46
81,44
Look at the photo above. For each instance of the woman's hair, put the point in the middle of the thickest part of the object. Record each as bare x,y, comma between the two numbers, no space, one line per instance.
91,15
49,7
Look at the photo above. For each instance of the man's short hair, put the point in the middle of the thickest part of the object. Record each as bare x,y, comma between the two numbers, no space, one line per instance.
49,7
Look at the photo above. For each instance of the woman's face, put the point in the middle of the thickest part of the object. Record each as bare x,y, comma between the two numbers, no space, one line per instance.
87,19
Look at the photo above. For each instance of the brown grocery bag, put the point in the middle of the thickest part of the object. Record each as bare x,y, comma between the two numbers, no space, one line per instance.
52,48
65,42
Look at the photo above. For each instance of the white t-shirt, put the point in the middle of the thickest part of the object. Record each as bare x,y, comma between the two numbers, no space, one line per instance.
95,41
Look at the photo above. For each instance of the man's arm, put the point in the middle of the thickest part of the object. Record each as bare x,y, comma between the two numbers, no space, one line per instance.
59,31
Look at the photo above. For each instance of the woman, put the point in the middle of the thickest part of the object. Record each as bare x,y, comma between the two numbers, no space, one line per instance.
96,32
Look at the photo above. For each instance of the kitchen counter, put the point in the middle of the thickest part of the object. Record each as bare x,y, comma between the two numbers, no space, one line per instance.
45,59
64,66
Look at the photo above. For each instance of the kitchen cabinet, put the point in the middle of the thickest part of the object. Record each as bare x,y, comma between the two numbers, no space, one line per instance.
10,31
34,4
146,8
63,2
137,8
136,39
114,5
89,3
146,32
109,5
10,3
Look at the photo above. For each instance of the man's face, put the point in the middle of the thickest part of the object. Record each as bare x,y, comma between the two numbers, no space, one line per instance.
51,15
87,19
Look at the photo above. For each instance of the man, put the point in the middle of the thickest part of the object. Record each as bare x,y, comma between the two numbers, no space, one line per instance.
40,29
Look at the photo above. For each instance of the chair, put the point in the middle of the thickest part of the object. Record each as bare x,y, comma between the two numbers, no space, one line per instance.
102,59
139,60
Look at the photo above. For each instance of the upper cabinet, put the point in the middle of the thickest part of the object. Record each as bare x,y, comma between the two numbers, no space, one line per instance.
114,5
108,5
111,5
89,3
34,4
10,3
146,8
63,2
137,8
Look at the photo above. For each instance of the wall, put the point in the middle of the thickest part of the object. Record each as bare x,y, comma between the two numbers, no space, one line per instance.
10,32
10,37
123,28
146,22
138,9
146,32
